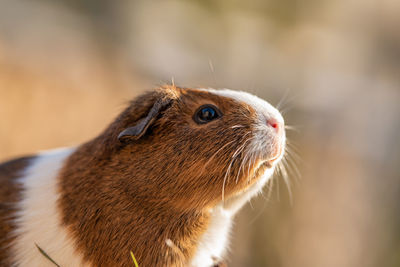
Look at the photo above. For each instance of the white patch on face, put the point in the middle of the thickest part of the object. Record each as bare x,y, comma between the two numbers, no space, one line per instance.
39,218
262,107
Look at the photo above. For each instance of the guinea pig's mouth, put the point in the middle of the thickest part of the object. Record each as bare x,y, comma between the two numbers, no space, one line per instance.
267,163
262,166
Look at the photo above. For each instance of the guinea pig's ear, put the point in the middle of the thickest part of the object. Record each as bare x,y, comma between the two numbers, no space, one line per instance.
138,130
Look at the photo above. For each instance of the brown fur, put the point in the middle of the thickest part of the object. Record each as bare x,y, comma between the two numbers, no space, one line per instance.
132,196
10,191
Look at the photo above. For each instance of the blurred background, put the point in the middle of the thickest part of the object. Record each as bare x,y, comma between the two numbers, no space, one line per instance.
67,68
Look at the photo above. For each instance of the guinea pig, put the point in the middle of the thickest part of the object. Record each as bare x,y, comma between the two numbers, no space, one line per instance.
162,183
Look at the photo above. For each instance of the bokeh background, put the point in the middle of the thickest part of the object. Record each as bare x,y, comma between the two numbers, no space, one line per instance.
67,68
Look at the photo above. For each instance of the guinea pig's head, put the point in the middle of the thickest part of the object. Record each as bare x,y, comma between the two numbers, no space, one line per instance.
192,148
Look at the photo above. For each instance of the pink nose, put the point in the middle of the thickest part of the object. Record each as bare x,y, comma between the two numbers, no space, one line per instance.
273,123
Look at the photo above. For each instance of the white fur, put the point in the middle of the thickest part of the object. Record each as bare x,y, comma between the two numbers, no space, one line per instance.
39,218
214,241
262,107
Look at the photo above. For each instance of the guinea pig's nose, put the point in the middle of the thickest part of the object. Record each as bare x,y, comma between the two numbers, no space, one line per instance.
274,123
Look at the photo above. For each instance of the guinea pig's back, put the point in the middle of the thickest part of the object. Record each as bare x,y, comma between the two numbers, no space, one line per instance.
10,194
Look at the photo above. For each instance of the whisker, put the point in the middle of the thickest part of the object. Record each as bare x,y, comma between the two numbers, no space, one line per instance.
227,175
260,212
235,154
292,128
269,185
287,101
251,164
292,157
285,110
292,154
292,146
251,204
211,65
283,98
286,180
293,168
277,181
248,167
237,126
244,160
212,157
269,195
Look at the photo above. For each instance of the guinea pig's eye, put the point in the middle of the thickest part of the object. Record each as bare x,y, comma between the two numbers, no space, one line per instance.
206,113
